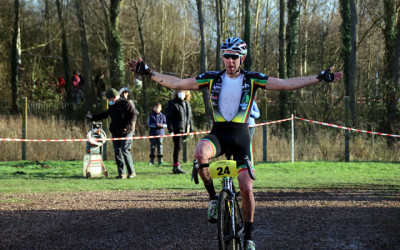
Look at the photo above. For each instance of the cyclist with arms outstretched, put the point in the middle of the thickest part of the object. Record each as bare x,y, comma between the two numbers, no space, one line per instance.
231,96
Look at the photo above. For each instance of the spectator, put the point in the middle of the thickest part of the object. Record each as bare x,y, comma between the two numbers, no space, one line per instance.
124,92
61,85
76,88
179,120
122,114
156,122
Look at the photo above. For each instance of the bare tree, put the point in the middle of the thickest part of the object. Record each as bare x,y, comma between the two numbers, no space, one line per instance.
15,59
248,63
283,96
391,87
87,67
65,56
349,38
203,60
218,13
139,20
114,44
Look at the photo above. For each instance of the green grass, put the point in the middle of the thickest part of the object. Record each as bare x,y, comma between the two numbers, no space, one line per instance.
66,176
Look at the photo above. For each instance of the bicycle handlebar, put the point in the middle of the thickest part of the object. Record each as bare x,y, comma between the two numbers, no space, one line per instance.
249,167
195,172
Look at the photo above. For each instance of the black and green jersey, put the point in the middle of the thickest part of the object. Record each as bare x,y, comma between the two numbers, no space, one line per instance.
251,82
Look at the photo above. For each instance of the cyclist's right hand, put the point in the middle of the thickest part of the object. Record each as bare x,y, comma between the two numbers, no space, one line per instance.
140,67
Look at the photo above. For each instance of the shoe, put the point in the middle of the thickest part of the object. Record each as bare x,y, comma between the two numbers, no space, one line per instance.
151,162
122,176
249,245
131,176
178,170
212,213
159,161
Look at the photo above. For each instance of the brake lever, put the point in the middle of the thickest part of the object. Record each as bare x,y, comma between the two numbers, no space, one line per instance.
249,167
195,176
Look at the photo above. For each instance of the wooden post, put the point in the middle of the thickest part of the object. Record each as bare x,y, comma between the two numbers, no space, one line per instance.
105,125
346,133
264,109
24,125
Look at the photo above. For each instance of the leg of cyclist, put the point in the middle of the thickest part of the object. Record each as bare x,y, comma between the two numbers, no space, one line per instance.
205,151
248,203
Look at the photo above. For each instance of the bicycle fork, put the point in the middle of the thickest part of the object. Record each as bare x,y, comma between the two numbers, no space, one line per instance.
227,187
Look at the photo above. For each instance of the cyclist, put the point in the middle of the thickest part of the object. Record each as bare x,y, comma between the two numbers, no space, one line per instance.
231,96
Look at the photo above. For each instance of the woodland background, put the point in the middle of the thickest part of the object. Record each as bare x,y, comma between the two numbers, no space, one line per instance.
42,40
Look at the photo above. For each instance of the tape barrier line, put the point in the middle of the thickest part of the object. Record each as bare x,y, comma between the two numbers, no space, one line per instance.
268,123
127,138
108,139
196,133
347,128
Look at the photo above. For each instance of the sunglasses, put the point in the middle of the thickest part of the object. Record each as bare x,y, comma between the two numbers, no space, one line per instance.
233,56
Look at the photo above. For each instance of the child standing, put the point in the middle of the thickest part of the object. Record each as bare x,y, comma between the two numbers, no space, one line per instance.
157,122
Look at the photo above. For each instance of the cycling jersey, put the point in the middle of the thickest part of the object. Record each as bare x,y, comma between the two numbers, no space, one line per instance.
251,82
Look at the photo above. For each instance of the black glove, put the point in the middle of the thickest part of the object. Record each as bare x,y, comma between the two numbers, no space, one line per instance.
143,69
326,75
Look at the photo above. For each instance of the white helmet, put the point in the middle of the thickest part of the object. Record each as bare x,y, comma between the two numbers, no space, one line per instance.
234,44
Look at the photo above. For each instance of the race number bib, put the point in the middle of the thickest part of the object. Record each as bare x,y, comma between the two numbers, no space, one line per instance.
224,168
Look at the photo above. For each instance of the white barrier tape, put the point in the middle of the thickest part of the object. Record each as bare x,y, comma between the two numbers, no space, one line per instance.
128,138
196,133
347,128
108,139
273,122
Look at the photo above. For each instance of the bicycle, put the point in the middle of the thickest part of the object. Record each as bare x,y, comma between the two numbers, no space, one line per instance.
230,218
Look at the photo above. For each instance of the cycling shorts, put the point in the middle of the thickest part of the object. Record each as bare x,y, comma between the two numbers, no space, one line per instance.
231,138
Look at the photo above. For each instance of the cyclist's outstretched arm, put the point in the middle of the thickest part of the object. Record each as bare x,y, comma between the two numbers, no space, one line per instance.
172,82
300,82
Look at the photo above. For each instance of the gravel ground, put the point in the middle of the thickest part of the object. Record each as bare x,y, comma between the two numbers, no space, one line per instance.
300,219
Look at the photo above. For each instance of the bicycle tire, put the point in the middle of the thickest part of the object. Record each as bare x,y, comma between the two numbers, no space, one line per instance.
239,223
226,237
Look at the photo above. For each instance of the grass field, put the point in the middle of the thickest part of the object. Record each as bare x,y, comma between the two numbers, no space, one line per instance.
66,176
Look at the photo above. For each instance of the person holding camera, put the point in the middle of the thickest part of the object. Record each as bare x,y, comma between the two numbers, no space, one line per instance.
122,115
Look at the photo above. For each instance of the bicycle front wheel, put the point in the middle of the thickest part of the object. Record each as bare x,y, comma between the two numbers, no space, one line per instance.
226,223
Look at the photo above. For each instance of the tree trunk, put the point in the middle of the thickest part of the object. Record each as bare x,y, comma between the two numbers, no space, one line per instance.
90,95
348,51
390,70
219,27
139,20
183,39
304,70
162,36
248,63
283,96
15,60
117,66
203,61
292,36
65,58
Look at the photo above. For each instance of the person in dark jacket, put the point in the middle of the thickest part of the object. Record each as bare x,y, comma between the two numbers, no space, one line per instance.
179,120
125,93
122,115
156,122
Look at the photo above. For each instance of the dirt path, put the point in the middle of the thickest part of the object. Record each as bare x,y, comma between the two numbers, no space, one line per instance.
315,219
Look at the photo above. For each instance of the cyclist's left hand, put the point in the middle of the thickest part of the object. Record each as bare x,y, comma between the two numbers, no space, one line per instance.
329,76
140,67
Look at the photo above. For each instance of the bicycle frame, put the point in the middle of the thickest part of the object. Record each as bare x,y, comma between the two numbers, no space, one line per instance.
229,188
231,228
